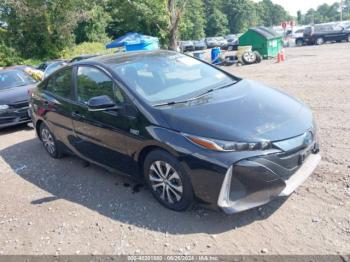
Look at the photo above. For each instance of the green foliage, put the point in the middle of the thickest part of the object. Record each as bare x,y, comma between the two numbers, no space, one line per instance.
93,26
241,14
84,48
272,14
193,23
8,56
217,23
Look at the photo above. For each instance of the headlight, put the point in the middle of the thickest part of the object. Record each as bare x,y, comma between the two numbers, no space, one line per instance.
228,146
4,107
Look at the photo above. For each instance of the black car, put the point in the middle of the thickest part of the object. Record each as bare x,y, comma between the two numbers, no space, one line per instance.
232,43
200,45
187,46
44,65
212,42
81,57
320,34
14,86
191,130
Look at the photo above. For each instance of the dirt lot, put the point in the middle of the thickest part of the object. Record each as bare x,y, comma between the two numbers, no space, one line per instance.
61,207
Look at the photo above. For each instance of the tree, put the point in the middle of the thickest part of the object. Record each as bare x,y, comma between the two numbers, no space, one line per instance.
299,17
193,23
92,27
241,15
175,11
39,28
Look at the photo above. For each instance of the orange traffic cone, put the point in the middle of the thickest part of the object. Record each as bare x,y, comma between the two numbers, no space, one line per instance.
283,56
279,57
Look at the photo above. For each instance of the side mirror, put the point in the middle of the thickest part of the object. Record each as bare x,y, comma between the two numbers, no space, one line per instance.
101,103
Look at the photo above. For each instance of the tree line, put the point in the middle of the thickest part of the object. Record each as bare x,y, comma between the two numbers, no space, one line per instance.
325,13
46,28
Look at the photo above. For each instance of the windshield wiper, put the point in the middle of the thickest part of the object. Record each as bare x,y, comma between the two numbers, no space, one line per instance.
193,98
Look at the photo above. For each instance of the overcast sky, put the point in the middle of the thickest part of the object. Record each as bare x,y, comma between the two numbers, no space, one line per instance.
292,6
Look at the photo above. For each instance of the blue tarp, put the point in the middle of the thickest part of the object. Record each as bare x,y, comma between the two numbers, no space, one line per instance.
135,41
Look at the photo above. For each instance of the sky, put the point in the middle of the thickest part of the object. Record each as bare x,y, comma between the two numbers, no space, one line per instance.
292,6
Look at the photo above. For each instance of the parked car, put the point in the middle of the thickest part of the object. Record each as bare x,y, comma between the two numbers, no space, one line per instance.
222,42
45,64
14,86
36,74
232,42
320,34
211,42
200,45
81,57
53,67
163,116
187,46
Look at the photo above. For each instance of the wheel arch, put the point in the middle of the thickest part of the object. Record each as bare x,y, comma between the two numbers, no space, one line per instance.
37,127
142,154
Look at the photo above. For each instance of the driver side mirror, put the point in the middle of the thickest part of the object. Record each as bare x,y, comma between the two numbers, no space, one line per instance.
101,103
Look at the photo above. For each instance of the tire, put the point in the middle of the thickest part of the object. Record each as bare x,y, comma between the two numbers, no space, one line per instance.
249,58
49,142
348,39
168,181
258,57
299,42
319,41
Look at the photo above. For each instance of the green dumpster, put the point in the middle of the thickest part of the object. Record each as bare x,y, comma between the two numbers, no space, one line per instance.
267,42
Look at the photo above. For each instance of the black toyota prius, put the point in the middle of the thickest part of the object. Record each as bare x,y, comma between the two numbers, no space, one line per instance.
193,132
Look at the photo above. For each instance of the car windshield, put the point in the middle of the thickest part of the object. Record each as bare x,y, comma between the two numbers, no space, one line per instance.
14,78
169,78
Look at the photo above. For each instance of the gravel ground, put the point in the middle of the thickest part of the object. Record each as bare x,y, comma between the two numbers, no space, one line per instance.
63,207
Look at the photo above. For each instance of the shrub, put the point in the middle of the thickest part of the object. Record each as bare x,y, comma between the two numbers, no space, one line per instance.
8,56
83,49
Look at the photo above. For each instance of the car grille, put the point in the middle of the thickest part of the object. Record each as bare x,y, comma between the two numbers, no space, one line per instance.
19,105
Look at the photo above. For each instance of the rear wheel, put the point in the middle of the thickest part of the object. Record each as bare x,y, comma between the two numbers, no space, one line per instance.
168,181
299,42
319,41
49,142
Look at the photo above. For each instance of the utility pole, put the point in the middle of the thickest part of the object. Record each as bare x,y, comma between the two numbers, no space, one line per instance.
341,10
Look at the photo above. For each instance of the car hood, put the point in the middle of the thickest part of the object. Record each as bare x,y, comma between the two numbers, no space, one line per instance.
14,95
247,111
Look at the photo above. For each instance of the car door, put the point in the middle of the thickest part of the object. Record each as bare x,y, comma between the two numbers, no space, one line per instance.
55,104
100,135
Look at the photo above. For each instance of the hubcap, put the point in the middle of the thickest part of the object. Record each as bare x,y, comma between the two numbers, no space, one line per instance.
320,41
166,182
48,141
250,57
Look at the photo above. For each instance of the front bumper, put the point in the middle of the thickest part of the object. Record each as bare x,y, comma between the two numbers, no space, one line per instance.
12,117
252,183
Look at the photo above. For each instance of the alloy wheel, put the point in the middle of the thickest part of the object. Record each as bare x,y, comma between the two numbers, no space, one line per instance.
48,141
166,182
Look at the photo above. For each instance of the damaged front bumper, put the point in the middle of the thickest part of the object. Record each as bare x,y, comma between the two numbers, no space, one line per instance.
255,182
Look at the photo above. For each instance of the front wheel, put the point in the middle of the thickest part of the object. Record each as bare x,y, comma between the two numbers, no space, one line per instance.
319,41
168,181
49,142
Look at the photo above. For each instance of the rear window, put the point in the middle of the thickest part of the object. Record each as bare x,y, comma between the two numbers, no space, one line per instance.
14,78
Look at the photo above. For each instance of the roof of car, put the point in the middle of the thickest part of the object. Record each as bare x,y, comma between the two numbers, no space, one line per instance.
122,57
